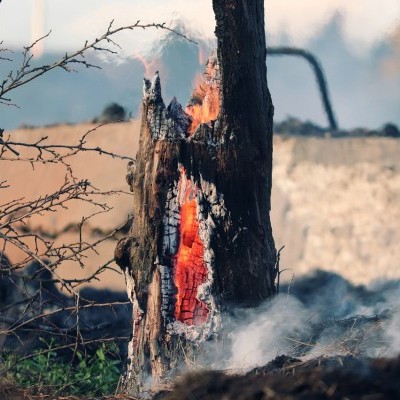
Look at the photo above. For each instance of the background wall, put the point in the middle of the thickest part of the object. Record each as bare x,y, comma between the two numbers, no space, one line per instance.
334,201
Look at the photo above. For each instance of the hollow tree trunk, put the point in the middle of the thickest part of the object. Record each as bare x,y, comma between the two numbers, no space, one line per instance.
201,239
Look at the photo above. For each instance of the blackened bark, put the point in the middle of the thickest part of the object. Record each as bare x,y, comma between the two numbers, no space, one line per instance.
247,251
201,240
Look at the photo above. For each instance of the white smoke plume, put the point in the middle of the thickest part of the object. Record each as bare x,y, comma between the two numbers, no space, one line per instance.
265,332
321,314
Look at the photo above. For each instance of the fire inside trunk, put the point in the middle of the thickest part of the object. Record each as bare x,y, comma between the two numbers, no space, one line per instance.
186,258
190,269
201,237
204,104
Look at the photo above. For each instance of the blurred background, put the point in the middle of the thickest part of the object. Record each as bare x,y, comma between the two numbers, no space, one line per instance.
335,195
357,42
334,201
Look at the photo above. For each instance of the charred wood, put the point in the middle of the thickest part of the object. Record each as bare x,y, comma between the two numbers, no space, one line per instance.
201,241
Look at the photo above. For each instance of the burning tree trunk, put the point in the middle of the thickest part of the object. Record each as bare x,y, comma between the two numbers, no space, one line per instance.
201,240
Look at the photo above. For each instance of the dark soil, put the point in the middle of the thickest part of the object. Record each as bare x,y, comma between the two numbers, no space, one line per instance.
8,391
287,378
11,391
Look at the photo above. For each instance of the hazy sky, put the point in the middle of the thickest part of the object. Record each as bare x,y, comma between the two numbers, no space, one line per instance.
357,69
73,21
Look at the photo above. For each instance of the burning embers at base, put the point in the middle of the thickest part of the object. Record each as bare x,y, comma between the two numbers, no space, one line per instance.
188,306
190,270
186,259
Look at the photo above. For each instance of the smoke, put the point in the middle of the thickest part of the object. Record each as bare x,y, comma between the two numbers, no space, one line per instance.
181,60
393,334
357,81
38,26
320,314
263,333
390,65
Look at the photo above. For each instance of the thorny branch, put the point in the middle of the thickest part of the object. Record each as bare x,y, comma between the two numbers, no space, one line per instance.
49,152
31,302
14,217
27,73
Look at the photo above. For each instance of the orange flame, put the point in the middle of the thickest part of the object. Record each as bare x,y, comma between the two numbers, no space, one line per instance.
204,105
202,58
150,67
190,270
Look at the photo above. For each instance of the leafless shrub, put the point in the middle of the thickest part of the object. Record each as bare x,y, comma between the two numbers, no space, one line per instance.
31,304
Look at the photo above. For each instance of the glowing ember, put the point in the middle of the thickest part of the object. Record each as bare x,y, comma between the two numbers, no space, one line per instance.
202,57
190,270
204,105
150,67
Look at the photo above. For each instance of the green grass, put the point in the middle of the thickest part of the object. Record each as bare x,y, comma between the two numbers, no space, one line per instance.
45,372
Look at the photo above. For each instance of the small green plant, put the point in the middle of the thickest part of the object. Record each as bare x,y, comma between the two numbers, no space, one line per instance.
44,372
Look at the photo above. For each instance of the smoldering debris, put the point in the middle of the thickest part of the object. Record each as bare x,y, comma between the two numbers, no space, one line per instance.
316,316
321,338
310,342
332,378
320,314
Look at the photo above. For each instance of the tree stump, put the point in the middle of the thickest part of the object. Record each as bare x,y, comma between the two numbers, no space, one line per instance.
201,240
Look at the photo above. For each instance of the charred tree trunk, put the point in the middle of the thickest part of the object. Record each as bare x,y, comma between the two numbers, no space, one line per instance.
201,239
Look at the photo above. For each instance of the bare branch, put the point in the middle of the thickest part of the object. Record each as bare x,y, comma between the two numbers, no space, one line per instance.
48,153
26,73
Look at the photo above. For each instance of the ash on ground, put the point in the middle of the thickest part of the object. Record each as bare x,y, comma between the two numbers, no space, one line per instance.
334,378
321,338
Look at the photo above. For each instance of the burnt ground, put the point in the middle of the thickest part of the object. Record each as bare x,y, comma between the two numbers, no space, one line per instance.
325,374
10,391
285,378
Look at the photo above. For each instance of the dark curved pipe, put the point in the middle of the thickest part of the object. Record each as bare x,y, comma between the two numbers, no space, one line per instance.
319,74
